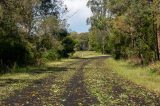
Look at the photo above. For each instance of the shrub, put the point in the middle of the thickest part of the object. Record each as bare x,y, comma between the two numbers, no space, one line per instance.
68,47
51,55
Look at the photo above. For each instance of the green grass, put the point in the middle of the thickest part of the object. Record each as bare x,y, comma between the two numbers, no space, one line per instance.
144,76
87,54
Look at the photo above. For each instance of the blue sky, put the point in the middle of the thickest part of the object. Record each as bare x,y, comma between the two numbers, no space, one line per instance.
79,12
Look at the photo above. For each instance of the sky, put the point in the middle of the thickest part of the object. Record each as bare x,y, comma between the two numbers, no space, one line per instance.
78,14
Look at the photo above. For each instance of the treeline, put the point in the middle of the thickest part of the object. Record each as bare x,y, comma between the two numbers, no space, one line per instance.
81,40
32,31
128,29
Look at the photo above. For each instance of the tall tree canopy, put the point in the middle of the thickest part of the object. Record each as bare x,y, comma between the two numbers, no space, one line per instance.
130,28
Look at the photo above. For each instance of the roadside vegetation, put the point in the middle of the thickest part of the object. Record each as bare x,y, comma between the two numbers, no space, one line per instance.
127,29
147,76
32,32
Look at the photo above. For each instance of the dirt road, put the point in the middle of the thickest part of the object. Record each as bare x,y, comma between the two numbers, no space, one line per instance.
86,82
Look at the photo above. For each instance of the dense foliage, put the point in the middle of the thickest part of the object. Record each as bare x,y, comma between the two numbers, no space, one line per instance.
126,28
32,31
82,40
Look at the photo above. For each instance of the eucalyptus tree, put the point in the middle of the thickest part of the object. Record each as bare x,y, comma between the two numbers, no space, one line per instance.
132,27
98,24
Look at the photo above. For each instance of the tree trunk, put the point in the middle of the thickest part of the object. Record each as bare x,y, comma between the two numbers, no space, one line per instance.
158,42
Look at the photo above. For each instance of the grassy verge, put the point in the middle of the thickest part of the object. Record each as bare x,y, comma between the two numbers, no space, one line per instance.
86,54
23,77
144,76
111,89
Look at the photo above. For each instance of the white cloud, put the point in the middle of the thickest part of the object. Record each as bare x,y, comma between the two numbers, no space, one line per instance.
78,20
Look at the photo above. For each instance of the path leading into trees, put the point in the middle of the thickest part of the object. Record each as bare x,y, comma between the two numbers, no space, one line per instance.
85,82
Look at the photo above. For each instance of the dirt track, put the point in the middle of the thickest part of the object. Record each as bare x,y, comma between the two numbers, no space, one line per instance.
76,90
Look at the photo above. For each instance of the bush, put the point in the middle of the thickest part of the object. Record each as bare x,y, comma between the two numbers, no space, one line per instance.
15,52
51,55
68,47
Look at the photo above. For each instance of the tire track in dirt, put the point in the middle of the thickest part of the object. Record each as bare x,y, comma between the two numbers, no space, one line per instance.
76,91
38,93
114,90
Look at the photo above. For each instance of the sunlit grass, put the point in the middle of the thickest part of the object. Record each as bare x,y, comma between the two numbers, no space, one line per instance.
144,76
60,62
87,54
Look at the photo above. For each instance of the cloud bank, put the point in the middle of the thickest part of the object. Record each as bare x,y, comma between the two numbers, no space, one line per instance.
78,14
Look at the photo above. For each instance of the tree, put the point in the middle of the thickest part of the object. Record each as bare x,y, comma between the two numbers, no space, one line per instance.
14,49
31,30
82,41
98,22
68,47
130,25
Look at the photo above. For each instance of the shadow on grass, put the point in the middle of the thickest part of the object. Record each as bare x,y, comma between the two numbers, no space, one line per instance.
47,69
53,69
8,81
36,72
